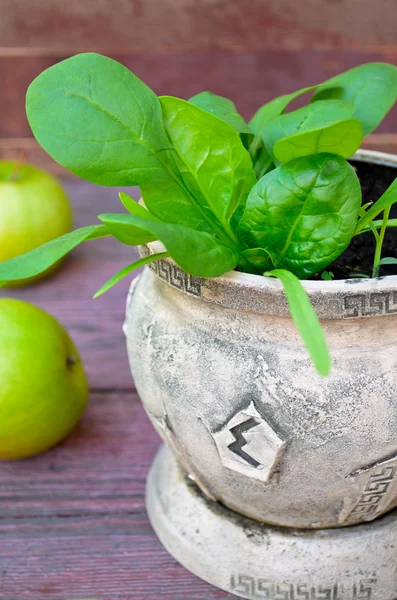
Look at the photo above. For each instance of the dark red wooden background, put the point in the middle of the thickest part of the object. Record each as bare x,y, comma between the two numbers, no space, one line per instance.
250,50
73,524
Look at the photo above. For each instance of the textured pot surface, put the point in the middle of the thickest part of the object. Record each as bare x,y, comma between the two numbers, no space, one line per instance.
226,381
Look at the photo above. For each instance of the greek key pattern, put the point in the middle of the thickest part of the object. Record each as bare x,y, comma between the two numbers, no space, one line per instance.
263,589
173,275
375,498
377,303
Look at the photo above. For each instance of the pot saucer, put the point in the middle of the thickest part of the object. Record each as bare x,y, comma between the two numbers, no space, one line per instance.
261,562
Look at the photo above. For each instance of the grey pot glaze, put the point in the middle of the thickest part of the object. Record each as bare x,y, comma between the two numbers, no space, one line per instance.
228,385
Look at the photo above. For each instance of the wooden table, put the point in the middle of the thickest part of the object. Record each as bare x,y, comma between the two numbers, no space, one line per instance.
73,524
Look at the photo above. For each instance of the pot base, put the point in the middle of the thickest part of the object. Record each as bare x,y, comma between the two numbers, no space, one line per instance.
260,562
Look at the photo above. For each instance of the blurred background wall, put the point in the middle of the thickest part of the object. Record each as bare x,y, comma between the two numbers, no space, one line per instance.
248,50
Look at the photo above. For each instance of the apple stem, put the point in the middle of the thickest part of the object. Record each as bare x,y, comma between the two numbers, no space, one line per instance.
17,167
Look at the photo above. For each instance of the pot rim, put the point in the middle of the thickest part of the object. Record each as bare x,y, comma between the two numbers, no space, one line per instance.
345,298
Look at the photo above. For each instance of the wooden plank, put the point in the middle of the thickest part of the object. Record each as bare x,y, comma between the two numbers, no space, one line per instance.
249,78
187,25
73,524
115,444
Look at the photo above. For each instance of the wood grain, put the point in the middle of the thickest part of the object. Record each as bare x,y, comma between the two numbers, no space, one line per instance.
73,524
187,25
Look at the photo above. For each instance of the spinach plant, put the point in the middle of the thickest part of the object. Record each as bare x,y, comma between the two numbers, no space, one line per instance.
273,197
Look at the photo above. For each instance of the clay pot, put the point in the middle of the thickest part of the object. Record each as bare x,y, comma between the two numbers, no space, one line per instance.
228,384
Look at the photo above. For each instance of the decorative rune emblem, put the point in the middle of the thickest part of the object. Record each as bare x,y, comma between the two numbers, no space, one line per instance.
249,445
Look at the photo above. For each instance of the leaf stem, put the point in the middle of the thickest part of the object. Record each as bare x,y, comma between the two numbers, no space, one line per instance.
264,168
379,242
371,225
127,270
377,225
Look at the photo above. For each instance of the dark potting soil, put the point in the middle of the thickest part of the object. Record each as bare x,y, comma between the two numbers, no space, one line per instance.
359,256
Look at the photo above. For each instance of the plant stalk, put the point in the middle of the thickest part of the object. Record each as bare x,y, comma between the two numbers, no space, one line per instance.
379,242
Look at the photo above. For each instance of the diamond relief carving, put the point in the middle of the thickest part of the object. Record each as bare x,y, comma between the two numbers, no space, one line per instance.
249,445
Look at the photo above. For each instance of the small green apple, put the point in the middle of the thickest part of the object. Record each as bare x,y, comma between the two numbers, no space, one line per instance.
34,209
43,387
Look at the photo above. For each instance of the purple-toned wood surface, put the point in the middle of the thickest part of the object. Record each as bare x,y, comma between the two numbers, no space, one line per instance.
73,524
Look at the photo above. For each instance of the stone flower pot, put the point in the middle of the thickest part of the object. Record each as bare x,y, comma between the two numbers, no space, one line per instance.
227,383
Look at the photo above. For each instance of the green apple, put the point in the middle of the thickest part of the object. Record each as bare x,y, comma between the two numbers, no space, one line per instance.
34,209
43,387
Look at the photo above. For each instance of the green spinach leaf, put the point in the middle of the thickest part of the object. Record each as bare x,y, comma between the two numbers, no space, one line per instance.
303,213
174,203
274,108
224,109
38,260
136,235
305,319
343,138
196,252
97,119
372,88
266,113
388,260
258,258
129,269
324,126
214,165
